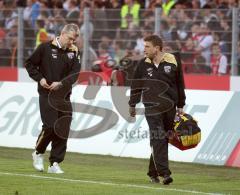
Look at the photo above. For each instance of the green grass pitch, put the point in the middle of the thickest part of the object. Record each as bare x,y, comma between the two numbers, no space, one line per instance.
97,174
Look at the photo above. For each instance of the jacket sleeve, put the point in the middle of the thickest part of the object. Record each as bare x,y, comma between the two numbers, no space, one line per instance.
74,72
32,64
180,82
136,86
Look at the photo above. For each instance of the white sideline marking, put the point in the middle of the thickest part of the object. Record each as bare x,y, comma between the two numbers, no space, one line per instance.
106,183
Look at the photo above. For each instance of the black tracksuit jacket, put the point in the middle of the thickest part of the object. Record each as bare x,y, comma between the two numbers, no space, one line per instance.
54,64
163,85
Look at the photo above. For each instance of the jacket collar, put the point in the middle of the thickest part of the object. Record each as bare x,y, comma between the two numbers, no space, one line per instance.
57,43
167,57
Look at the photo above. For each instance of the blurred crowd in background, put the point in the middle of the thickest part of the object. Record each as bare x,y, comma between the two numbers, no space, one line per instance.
201,30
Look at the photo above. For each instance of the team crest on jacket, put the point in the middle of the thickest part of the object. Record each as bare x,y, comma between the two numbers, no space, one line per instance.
70,55
54,55
150,71
167,69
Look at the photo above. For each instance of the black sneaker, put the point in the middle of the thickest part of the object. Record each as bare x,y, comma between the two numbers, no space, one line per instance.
167,180
154,179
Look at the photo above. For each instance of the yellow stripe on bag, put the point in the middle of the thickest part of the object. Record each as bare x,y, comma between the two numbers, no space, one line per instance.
189,140
178,122
184,118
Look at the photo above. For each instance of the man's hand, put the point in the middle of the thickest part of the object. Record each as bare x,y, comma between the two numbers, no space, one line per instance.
44,84
180,111
55,86
132,111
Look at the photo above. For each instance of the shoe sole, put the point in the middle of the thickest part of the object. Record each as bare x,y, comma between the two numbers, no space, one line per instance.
51,172
54,173
39,170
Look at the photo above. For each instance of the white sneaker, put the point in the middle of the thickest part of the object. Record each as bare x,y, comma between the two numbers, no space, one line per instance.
55,168
38,161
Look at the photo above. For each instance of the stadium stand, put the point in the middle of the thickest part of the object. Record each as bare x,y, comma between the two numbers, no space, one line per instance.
189,27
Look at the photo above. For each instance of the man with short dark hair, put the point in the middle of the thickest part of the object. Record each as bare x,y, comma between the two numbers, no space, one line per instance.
55,66
158,80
